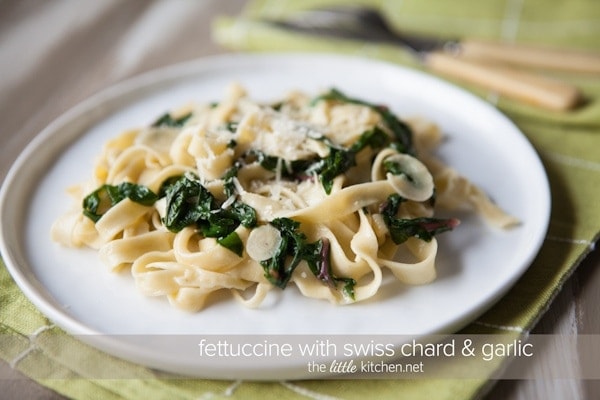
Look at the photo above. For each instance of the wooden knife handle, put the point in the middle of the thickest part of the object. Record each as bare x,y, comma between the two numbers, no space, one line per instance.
532,56
516,84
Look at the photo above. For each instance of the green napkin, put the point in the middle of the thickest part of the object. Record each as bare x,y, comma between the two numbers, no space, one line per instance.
568,144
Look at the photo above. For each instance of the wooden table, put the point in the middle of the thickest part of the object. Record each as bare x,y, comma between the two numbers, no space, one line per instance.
54,54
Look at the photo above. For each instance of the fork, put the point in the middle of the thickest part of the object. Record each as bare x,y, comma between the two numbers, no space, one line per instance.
486,64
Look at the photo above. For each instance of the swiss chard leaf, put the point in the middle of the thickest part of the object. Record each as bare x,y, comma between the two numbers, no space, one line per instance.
338,161
190,203
217,225
341,160
230,175
317,256
232,242
187,203
424,228
295,169
243,213
403,141
231,126
294,248
167,120
166,185
396,169
278,269
376,138
106,196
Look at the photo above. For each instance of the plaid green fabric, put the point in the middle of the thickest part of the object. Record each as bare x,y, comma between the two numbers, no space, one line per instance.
568,144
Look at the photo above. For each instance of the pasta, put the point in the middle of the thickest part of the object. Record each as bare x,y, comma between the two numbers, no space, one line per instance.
320,193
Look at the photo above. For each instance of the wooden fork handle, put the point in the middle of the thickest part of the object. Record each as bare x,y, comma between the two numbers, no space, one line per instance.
516,84
532,56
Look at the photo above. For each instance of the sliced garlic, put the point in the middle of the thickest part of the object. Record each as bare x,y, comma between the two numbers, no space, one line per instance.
415,183
263,242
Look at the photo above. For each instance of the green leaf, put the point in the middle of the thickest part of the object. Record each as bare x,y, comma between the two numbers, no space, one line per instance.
293,249
217,225
403,141
97,203
228,185
190,203
396,169
336,163
423,228
401,229
243,213
317,256
167,120
375,138
279,269
232,242
187,202
231,126
348,288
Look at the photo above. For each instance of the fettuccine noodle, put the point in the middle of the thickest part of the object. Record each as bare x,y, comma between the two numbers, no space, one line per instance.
321,193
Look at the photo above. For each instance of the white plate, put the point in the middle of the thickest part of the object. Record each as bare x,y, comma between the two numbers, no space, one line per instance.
477,264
